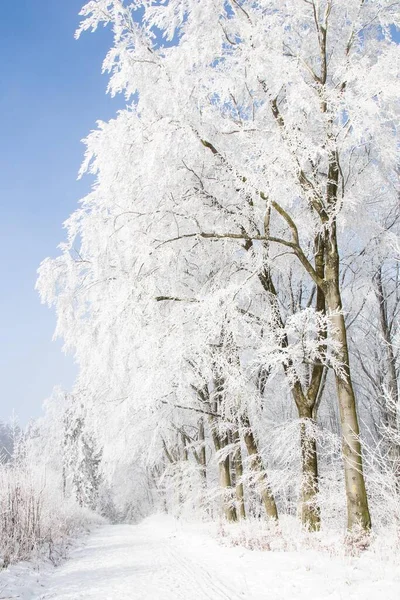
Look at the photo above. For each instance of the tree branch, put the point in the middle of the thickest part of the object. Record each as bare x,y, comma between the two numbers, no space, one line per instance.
174,299
198,410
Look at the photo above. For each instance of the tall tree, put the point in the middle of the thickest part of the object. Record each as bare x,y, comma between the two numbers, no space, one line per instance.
258,139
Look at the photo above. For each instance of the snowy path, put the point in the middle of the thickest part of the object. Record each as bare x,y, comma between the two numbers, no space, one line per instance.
159,559
136,563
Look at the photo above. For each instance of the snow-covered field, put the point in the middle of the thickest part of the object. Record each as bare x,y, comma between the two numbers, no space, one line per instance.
160,559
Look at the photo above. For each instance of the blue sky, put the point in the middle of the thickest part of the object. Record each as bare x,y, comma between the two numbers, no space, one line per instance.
51,94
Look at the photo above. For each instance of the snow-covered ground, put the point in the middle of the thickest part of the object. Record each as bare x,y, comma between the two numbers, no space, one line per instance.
160,559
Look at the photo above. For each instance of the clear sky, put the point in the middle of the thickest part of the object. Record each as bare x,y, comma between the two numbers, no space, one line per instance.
51,94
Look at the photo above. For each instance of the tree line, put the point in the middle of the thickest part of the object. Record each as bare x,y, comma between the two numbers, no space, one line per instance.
230,286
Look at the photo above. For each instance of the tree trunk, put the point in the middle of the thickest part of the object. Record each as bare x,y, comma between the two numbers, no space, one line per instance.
201,459
202,454
357,501
225,480
309,509
392,403
226,485
257,466
240,506
307,405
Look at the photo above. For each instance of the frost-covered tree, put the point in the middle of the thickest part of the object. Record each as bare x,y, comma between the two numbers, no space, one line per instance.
81,458
9,434
207,268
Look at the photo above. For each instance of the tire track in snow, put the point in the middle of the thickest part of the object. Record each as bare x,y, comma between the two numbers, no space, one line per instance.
205,580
